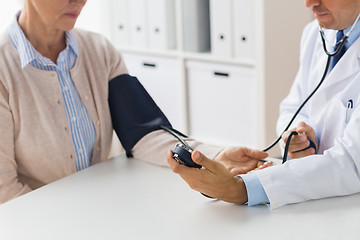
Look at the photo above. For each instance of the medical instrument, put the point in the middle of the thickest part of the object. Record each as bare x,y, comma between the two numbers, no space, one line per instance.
287,144
343,40
330,55
182,152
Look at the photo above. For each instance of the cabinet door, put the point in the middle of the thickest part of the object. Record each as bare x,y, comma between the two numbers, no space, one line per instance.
223,104
161,78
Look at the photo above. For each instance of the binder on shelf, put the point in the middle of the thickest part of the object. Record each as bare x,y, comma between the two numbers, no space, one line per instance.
121,23
221,28
196,25
244,29
162,27
138,23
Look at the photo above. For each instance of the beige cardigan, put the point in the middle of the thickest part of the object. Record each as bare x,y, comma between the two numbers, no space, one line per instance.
35,142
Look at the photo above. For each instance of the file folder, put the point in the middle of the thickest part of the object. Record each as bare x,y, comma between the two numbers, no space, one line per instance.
244,29
138,23
162,29
121,22
221,28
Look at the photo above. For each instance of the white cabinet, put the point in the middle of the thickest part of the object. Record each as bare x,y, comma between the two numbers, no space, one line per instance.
222,104
161,78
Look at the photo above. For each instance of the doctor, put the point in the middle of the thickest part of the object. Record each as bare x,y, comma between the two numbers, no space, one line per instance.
331,119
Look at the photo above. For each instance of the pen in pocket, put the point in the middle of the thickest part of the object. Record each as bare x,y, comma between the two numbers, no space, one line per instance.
349,107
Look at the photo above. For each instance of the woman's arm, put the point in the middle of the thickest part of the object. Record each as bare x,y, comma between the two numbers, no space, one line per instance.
10,187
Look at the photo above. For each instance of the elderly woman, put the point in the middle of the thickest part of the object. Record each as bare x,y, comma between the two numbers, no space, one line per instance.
54,113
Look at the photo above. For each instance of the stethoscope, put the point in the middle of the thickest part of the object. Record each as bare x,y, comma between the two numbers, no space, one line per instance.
330,55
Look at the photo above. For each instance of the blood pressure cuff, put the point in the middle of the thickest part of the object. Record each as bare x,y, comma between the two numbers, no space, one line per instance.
133,112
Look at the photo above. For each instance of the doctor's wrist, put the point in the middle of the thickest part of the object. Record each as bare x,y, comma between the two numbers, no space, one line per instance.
240,193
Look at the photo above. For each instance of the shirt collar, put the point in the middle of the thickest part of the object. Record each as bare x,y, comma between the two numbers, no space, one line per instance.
71,41
354,35
26,51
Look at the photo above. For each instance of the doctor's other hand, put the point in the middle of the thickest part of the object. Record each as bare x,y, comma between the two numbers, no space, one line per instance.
240,160
213,179
300,145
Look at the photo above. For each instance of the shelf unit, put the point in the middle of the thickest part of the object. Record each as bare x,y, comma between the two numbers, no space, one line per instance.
277,27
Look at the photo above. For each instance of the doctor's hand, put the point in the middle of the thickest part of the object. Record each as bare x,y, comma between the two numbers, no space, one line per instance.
213,179
300,145
240,160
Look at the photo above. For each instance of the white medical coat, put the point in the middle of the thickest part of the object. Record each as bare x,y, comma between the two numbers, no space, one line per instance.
334,170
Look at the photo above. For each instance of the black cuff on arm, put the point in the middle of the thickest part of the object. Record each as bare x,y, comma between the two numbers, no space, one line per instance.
133,112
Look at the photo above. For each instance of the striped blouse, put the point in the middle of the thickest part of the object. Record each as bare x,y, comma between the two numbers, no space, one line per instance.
81,126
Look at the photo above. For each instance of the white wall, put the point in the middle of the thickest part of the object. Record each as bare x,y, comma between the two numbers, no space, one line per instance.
96,16
8,9
281,71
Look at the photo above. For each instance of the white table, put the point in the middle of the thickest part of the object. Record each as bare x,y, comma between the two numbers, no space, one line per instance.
129,199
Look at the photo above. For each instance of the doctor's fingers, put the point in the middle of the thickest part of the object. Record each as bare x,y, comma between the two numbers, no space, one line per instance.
189,174
297,146
303,127
262,165
211,165
175,165
295,139
198,179
307,129
301,154
246,166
